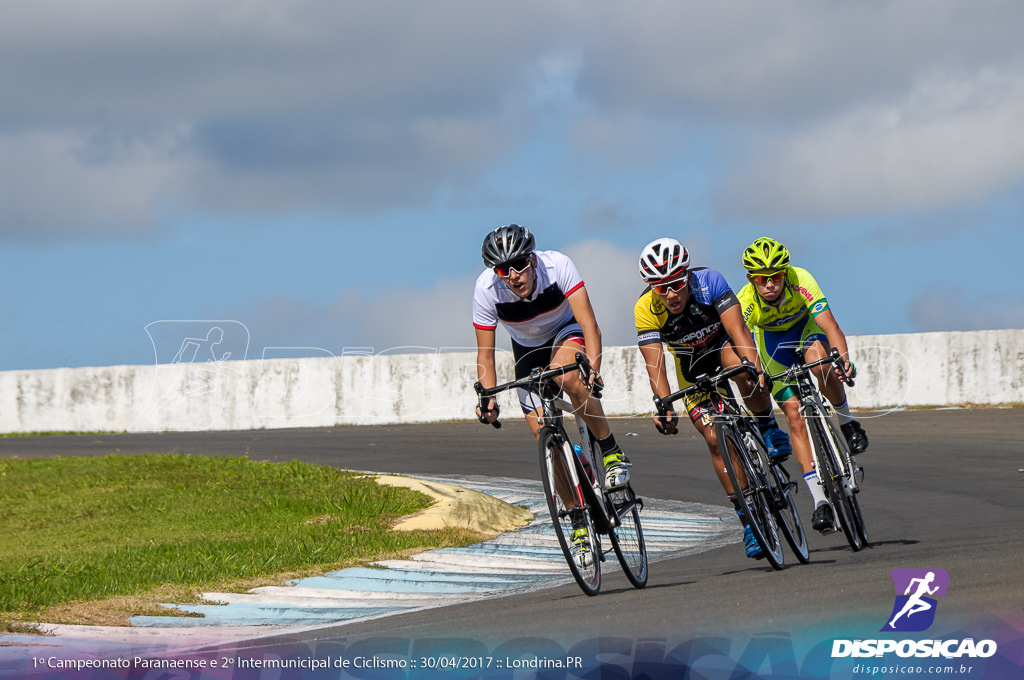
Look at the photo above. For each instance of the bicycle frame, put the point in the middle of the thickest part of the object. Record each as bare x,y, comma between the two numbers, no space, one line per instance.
814,405
603,510
839,478
553,408
758,499
723,408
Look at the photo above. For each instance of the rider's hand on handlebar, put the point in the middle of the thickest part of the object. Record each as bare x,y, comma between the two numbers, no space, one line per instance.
666,423
490,415
595,384
848,373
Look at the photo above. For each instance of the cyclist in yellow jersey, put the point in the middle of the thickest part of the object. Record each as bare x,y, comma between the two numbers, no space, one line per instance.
793,324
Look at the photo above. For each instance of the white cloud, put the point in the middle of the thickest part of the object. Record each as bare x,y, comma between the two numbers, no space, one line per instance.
319,104
61,183
436,317
439,316
952,138
555,77
613,284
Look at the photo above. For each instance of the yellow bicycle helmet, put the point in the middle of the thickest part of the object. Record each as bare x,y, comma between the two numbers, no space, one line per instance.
765,253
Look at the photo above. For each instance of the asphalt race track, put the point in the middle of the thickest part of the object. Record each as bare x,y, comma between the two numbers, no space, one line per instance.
944,489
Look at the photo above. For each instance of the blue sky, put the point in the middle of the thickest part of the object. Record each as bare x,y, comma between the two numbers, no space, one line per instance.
322,172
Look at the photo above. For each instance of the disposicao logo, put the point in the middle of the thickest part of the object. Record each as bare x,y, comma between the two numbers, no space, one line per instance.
914,611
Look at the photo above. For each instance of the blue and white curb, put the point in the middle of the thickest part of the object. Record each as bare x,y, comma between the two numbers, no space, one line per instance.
522,560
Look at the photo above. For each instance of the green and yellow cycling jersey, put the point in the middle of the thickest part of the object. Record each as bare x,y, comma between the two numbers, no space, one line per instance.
802,299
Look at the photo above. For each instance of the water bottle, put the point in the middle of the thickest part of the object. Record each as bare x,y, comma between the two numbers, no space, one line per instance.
584,460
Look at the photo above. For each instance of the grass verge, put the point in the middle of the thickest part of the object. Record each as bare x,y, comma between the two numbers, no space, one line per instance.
119,534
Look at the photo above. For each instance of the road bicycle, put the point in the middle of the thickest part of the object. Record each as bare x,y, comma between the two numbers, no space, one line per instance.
838,473
764,490
573,479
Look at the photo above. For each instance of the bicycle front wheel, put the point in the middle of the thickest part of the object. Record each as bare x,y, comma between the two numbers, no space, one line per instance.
851,491
754,505
585,564
786,513
830,474
780,493
628,537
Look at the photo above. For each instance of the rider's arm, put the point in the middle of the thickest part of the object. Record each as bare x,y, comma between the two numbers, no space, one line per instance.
583,311
836,338
654,361
486,371
739,335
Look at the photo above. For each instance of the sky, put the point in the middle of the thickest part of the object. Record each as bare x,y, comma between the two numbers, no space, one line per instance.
318,175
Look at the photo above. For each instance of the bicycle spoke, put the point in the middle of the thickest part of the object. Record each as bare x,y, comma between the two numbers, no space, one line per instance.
586,570
780,493
628,538
754,504
849,484
831,476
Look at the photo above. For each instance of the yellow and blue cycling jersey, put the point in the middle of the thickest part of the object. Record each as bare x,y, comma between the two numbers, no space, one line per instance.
784,330
696,334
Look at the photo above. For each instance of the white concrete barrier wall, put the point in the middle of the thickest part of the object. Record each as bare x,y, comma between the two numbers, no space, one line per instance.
926,369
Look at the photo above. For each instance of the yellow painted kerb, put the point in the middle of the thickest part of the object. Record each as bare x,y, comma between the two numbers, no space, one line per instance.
455,506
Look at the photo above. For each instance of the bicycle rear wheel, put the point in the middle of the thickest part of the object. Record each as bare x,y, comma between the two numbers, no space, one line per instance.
628,537
754,505
780,492
586,573
830,473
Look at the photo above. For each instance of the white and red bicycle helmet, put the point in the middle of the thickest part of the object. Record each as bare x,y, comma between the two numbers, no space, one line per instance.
663,259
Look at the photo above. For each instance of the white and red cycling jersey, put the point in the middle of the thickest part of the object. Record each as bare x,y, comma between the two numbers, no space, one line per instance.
534,320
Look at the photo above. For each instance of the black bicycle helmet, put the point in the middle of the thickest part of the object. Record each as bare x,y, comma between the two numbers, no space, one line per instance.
506,244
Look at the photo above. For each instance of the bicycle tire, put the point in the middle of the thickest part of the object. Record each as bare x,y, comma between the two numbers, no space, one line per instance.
854,500
780,488
754,508
830,474
628,538
588,577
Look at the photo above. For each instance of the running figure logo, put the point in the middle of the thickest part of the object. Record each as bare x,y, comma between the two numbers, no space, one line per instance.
914,610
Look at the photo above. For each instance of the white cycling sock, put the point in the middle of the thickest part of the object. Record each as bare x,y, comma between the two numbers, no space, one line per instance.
843,411
817,494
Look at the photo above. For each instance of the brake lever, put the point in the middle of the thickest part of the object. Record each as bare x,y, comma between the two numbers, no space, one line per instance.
483,407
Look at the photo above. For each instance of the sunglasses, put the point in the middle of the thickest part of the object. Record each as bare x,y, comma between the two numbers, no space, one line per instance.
506,269
762,279
674,285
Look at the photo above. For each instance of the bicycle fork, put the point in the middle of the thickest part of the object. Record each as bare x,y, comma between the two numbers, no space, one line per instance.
846,472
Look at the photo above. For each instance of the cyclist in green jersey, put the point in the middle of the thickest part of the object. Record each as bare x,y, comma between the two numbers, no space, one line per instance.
793,324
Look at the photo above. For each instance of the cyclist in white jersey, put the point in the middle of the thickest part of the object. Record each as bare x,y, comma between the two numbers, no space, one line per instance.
540,299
